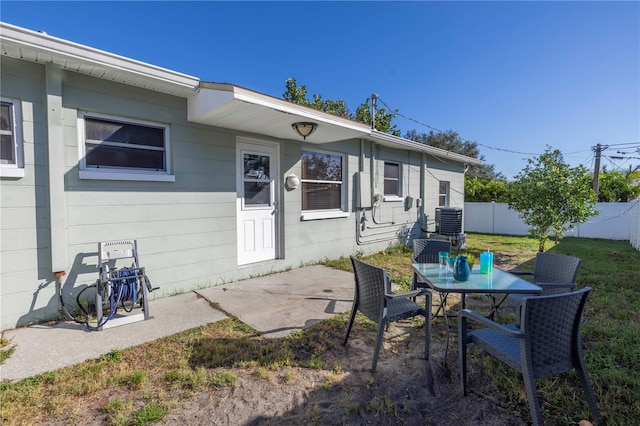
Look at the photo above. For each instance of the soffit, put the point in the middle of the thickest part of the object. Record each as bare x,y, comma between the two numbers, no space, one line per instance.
233,107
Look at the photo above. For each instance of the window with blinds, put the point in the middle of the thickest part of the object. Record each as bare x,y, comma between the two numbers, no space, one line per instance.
392,179
322,181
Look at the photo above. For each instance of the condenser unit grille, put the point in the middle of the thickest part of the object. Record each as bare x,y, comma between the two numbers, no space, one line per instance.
449,220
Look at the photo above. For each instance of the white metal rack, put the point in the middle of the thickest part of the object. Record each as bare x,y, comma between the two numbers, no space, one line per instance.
111,255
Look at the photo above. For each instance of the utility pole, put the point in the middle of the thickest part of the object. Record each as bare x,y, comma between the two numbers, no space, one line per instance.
596,169
374,105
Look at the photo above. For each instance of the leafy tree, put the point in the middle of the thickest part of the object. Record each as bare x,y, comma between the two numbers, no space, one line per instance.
476,189
451,141
295,94
551,196
633,173
298,94
615,186
383,118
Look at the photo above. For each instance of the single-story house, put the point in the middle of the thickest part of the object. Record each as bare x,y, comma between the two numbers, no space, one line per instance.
210,179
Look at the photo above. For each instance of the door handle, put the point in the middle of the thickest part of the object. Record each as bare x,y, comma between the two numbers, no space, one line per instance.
275,208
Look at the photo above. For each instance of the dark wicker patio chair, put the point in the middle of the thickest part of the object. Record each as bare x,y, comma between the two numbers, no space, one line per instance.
554,273
547,343
374,299
426,251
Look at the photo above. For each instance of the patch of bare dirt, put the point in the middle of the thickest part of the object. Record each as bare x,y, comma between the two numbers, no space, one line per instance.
405,390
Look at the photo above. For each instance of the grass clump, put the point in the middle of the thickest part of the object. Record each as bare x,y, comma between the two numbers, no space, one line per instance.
150,413
224,378
5,353
119,411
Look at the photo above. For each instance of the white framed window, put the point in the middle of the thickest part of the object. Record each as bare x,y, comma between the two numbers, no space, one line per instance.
392,181
114,148
11,143
322,185
443,194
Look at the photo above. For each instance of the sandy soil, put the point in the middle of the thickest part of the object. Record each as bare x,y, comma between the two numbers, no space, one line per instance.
405,390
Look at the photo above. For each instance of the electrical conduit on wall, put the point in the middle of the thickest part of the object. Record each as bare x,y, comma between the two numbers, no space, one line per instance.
390,230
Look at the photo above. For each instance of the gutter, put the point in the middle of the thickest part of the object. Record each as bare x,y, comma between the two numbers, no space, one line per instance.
398,142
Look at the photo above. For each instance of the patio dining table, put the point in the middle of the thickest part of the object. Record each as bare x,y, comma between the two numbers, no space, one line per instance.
495,282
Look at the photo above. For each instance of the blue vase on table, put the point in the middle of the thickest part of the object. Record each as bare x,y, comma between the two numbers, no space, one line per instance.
461,270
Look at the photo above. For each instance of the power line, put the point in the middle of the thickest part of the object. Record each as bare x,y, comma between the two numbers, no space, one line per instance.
637,144
472,142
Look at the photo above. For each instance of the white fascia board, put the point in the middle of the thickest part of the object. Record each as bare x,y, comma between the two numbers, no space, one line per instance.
60,49
205,102
398,142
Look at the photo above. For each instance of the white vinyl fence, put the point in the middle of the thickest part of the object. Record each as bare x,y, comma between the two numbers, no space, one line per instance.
634,213
615,221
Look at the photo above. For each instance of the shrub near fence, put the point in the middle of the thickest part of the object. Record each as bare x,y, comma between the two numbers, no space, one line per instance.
615,221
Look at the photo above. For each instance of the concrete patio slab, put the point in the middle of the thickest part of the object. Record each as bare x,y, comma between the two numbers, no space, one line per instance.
280,303
43,347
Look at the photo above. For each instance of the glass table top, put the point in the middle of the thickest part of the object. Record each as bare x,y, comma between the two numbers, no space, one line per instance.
497,281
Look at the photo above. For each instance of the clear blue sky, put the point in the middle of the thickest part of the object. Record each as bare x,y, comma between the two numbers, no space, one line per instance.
512,76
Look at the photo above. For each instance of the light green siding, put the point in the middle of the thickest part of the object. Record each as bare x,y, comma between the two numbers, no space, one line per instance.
186,229
25,258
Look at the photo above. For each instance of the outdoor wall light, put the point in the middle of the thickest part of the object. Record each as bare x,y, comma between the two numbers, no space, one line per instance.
292,181
304,129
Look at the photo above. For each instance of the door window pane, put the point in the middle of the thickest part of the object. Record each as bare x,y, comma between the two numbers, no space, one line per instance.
257,194
257,184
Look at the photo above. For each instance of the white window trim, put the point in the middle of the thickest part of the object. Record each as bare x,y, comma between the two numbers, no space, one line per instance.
324,214
333,213
397,197
392,198
123,174
15,170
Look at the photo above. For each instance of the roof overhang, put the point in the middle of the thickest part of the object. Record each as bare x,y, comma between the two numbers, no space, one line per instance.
34,46
234,107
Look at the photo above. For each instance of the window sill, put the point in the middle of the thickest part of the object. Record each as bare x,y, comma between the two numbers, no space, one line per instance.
12,172
146,177
324,215
392,198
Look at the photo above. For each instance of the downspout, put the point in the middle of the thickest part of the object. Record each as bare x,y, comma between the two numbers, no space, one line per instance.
423,192
56,165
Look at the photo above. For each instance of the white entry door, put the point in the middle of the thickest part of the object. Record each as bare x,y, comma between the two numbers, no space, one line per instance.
257,204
